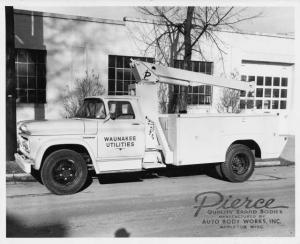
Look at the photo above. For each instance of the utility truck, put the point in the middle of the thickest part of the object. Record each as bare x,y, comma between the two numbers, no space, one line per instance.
126,133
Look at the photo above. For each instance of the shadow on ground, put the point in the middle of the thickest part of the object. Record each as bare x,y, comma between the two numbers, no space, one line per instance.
15,227
169,172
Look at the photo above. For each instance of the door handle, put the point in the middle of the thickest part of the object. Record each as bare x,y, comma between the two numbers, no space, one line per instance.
135,123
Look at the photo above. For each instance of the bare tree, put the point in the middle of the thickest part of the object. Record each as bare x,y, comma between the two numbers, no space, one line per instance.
90,85
178,32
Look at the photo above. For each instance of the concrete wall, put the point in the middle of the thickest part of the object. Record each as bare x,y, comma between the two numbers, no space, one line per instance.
76,44
73,46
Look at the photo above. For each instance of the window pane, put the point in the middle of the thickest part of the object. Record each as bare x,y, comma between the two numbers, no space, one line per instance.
208,68
31,70
243,78
201,99
283,93
126,84
282,104
260,80
275,104
242,93
41,69
41,82
268,81
111,85
202,67
207,99
250,104
201,89
189,99
267,104
21,95
120,63
119,74
22,82
251,78
119,85
284,82
111,73
127,74
267,92
196,67
31,96
275,92
31,83
22,69
111,61
127,62
259,92
276,81
259,104
242,104
195,99
195,89
207,90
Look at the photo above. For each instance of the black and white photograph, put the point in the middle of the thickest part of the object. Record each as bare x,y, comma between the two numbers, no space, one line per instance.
149,120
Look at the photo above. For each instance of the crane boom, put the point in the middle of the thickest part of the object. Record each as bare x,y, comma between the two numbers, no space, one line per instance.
152,73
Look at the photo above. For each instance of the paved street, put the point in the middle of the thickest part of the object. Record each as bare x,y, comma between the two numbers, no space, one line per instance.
160,205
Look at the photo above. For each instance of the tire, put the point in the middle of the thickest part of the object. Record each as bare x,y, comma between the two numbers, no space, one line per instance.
64,172
239,164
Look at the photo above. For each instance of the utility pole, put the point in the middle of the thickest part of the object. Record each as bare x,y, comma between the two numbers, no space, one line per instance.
11,137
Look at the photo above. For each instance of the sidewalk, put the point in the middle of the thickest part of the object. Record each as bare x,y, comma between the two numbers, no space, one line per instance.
287,157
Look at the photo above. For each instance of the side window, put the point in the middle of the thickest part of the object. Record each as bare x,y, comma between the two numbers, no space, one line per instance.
121,110
92,108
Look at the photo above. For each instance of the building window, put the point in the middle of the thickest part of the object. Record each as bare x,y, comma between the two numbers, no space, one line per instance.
270,93
120,75
199,94
31,75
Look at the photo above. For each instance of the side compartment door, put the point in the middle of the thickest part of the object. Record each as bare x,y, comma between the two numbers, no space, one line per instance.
122,137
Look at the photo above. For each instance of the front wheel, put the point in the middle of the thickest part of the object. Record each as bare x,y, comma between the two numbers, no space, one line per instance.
239,164
64,172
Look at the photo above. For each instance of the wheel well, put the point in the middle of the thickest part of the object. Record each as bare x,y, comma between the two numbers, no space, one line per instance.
75,147
252,145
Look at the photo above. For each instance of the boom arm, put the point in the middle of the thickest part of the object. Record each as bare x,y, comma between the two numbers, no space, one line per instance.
152,73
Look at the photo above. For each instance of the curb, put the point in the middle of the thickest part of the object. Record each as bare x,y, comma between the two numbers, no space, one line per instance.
19,177
24,177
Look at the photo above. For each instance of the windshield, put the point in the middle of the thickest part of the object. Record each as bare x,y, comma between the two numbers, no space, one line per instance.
92,108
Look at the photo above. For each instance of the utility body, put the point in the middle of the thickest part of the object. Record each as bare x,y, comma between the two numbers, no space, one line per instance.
126,133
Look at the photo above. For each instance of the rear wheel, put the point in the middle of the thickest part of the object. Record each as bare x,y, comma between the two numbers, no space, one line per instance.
239,164
64,172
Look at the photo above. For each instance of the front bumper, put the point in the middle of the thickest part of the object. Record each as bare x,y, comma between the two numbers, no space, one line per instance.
24,163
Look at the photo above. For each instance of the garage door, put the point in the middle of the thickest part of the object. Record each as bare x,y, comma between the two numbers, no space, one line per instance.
273,86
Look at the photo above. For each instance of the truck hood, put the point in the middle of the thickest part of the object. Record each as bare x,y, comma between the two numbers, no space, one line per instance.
52,127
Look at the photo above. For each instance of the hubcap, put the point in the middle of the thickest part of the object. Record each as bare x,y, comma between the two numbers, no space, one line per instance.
64,172
240,164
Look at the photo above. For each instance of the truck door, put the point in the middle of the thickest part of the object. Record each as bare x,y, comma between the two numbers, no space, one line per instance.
123,135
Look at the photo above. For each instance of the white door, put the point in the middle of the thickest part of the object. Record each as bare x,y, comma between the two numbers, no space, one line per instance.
123,136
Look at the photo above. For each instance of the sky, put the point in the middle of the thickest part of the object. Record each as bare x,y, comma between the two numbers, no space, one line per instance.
274,20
